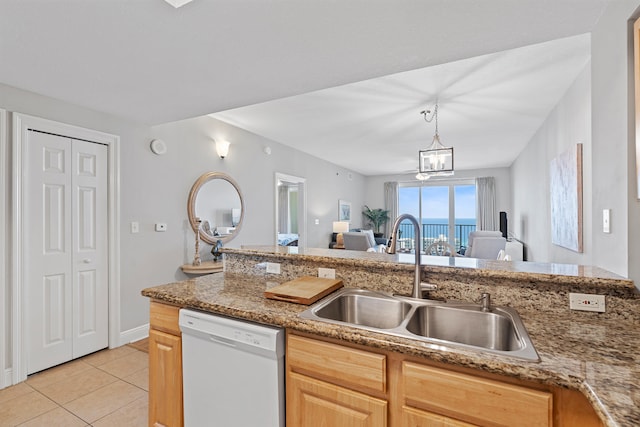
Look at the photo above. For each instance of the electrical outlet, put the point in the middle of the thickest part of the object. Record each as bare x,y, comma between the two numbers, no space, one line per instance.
273,267
327,273
135,227
160,226
587,302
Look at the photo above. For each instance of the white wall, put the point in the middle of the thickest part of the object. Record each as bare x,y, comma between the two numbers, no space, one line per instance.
374,193
612,142
192,153
568,124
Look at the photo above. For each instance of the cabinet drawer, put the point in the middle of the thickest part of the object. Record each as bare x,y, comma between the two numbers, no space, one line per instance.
417,418
344,365
477,400
164,317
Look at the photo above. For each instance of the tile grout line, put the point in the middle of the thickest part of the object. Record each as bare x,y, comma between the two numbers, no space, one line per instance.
46,412
90,365
112,412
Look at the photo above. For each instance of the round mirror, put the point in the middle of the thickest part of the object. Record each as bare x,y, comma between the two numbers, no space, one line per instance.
216,206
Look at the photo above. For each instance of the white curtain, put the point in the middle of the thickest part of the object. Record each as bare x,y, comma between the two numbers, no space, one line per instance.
486,213
390,204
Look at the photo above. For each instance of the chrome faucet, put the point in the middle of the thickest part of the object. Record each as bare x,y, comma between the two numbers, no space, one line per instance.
418,286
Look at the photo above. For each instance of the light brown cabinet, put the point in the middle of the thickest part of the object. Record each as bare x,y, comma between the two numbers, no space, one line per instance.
334,383
165,367
468,398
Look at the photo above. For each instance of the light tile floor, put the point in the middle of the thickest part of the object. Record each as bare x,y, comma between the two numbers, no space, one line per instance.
107,388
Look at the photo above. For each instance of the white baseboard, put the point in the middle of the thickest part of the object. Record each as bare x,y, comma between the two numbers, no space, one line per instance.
135,334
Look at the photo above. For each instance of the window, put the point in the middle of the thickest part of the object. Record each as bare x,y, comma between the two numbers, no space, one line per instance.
446,211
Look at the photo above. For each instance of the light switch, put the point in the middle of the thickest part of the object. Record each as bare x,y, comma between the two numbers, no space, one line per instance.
135,227
606,220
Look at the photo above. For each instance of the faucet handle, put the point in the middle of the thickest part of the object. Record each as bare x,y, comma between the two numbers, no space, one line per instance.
485,300
428,287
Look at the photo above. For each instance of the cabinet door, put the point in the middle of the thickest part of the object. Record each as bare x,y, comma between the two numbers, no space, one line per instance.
165,380
415,418
482,401
313,403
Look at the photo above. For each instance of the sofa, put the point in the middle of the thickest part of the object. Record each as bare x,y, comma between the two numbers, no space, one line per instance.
334,244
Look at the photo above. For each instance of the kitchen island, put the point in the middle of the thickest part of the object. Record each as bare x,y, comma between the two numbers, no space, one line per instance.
594,354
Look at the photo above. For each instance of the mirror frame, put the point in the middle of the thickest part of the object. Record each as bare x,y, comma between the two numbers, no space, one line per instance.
191,206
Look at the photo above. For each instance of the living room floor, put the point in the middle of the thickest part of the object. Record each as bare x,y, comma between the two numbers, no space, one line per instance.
106,388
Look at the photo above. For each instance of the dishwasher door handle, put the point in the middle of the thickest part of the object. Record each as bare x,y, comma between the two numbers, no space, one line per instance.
223,341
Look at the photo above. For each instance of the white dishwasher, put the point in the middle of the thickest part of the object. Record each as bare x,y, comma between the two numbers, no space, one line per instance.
233,372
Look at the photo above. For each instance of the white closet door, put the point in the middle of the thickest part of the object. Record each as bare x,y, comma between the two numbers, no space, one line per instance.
90,257
48,252
66,250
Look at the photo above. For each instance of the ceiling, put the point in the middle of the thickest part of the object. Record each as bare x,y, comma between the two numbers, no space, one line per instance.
489,107
151,63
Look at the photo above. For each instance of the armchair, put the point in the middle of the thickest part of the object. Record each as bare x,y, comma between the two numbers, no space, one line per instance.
485,244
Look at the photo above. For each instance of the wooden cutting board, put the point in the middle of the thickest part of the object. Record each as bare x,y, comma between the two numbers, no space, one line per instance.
303,290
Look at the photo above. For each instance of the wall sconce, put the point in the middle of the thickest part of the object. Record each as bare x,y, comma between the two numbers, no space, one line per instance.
222,148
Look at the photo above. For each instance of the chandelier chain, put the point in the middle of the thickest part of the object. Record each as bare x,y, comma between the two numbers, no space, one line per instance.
434,114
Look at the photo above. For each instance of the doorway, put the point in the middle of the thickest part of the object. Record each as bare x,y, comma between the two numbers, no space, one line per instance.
75,214
291,210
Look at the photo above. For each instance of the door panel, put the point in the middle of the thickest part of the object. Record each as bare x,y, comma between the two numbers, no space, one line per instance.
54,215
53,307
87,321
86,219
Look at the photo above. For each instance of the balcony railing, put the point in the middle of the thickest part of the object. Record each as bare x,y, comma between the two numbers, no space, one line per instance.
432,233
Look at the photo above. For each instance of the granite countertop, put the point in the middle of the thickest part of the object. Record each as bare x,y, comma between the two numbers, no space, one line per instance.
598,357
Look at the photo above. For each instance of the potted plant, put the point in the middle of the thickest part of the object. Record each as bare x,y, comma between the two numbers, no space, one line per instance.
376,217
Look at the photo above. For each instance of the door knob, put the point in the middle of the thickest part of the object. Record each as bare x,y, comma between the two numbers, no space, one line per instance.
86,260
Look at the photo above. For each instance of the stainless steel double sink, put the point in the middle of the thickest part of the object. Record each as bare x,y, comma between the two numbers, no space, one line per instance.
454,324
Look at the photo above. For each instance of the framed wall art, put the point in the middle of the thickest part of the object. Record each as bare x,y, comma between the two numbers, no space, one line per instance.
566,199
344,210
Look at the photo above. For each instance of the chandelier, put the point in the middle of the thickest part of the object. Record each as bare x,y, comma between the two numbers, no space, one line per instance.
437,160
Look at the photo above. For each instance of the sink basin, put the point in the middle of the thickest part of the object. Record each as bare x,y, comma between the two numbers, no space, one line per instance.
360,308
466,325
444,325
